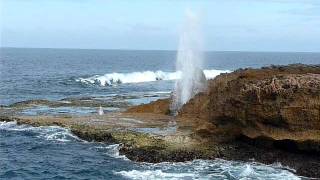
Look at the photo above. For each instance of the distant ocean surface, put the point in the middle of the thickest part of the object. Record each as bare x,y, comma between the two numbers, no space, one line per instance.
53,74
59,73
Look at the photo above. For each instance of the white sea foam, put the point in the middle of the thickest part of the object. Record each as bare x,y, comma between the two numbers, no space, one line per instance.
247,171
156,174
50,133
209,169
197,169
112,151
140,77
7,125
56,133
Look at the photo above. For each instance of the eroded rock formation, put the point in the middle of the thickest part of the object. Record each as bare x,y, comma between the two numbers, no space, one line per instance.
279,103
161,106
269,115
276,103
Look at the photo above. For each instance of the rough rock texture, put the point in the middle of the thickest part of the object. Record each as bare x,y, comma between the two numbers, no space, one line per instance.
70,102
269,115
276,103
157,145
147,147
161,106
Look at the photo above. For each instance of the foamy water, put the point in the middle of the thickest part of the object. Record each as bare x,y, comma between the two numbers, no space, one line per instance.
54,152
210,169
51,133
51,74
141,77
112,151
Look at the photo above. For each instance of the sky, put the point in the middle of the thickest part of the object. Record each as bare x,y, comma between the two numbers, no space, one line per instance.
228,25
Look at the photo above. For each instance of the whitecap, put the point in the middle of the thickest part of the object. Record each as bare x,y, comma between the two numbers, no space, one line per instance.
112,151
140,77
209,169
55,133
8,125
247,171
50,133
156,174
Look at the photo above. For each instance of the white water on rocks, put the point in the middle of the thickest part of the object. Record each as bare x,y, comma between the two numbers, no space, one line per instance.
189,62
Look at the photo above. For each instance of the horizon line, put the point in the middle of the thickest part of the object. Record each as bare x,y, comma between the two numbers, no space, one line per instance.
124,49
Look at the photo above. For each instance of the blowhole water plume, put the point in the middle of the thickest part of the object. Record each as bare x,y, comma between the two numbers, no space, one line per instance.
100,111
189,62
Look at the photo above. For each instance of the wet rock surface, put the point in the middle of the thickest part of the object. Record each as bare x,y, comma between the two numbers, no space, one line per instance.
71,102
268,115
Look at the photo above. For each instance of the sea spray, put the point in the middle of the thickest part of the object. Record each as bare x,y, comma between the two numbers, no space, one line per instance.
111,79
100,111
189,62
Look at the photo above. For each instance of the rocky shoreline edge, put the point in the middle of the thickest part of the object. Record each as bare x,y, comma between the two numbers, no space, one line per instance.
269,115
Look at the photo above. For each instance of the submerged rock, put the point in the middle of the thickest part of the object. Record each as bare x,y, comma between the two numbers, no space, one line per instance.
70,102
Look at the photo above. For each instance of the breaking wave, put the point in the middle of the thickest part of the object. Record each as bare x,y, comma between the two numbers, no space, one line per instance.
140,77
112,151
50,133
210,169
197,169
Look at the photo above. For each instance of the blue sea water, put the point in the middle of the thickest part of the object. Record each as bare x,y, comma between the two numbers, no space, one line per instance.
54,153
136,76
56,73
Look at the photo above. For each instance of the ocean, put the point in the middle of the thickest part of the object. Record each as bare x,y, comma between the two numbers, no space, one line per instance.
131,76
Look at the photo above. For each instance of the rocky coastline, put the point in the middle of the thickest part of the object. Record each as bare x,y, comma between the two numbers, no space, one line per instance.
269,115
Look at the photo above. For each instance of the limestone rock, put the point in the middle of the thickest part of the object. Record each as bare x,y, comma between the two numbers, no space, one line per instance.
277,103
